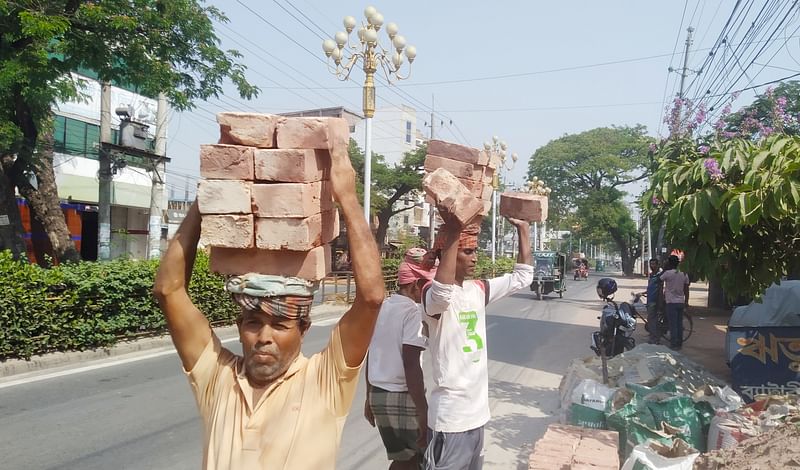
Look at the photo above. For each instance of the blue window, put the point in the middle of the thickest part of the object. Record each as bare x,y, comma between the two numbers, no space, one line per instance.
408,132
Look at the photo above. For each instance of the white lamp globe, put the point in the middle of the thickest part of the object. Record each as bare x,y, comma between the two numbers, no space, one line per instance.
411,53
392,29
399,42
328,46
349,23
370,35
376,20
397,60
341,38
369,12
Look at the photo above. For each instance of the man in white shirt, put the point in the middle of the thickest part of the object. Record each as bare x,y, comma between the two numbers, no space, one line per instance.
455,311
395,387
676,295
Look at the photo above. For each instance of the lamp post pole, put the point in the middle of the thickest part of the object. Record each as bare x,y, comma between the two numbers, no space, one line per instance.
537,186
372,55
497,151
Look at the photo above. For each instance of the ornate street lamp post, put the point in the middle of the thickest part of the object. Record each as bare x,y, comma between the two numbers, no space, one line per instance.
537,186
497,151
369,51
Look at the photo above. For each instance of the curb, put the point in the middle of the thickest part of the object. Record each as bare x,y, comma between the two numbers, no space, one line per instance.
14,367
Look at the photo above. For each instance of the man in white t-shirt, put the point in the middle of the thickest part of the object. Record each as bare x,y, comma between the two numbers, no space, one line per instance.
455,311
395,388
676,295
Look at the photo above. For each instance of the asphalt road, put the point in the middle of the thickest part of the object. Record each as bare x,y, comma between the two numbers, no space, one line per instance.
137,412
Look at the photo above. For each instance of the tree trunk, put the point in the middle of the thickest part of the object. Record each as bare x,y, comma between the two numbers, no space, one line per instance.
11,234
627,261
716,296
383,227
45,204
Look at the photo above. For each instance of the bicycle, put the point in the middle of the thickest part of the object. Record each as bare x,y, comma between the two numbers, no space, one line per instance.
663,325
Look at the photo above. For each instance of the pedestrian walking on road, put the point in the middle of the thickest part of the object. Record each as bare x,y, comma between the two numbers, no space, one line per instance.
273,408
655,287
676,295
455,311
396,401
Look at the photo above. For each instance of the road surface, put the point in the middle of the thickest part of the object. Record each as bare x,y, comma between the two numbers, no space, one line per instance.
137,411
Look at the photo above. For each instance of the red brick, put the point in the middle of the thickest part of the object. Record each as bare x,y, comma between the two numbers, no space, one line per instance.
451,196
297,234
486,194
232,162
458,152
311,265
224,197
312,132
230,231
292,165
487,175
524,206
458,169
291,200
251,129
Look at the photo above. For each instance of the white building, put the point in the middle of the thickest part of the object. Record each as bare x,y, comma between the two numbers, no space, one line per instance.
394,132
76,165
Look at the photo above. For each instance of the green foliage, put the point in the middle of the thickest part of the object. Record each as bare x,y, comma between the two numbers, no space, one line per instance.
575,164
735,211
157,46
86,305
485,269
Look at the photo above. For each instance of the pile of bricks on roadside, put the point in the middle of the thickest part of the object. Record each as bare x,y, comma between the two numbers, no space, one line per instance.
460,180
565,447
265,195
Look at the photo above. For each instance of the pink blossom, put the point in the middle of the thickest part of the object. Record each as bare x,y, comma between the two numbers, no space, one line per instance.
703,149
713,170
653,147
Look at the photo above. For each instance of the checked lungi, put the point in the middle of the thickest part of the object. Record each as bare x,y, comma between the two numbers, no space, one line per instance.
396,418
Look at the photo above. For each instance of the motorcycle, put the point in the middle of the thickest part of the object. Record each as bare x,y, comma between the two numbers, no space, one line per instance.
617,324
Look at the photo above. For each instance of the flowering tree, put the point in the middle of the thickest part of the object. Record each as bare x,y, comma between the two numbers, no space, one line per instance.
733,206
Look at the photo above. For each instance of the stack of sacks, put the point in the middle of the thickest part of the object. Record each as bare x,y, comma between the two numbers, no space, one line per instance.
265,196
473,168
524,206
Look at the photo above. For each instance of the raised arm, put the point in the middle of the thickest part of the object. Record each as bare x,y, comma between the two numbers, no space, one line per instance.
524,237
188,326
356,326
437,297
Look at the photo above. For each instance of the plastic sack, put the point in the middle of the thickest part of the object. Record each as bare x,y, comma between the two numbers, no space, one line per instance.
641,391
679,412
652,455
589,402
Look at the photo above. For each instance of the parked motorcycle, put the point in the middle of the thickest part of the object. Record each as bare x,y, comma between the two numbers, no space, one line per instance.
617,323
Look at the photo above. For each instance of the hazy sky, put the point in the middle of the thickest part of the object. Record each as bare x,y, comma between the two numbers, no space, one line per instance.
545,53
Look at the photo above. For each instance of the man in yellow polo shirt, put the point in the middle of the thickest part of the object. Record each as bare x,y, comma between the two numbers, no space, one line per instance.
273,408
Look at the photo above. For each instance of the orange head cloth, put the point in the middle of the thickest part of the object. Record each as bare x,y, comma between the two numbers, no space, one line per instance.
468,238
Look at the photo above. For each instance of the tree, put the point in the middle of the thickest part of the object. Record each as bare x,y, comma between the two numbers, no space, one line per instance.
572,165
733,207
776,110
156,45
389,183
585,171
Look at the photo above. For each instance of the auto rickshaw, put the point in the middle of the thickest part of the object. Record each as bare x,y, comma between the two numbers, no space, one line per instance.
581,269
548,273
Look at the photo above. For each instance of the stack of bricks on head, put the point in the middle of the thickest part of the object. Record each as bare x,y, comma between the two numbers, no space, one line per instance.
265,196
459,181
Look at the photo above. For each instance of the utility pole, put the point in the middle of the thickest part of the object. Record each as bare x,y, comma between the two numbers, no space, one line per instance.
685,69
431,206
684,74
157,187
104,177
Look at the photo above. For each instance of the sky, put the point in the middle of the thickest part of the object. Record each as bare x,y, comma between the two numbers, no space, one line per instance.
525,71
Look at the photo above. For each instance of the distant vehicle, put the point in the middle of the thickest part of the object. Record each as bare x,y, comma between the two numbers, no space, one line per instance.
548,273
581,269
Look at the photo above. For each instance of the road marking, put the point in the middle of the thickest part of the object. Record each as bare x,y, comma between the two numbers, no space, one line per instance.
107,363
490,326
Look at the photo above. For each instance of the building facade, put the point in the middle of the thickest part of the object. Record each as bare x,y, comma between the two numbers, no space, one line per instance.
76,132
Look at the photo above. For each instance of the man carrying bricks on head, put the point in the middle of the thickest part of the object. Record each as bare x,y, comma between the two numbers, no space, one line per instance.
395,388
455,309
273,408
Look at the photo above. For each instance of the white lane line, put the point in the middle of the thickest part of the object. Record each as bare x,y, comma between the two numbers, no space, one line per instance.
490,326
103,365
